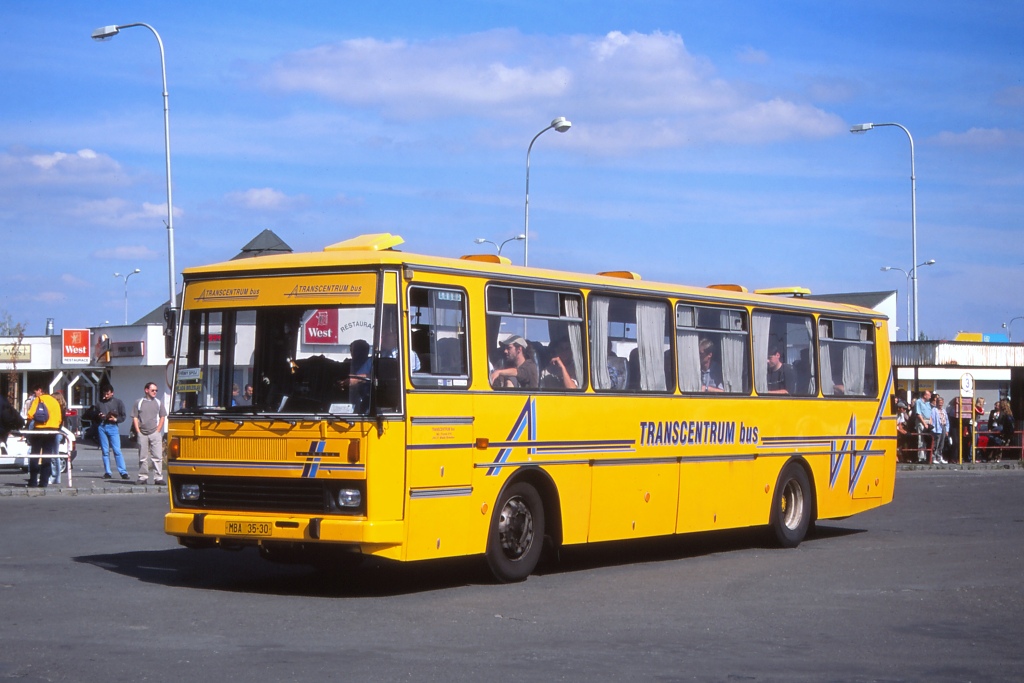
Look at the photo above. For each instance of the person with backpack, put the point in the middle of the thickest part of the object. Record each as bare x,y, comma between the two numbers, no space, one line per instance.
148,415
43,413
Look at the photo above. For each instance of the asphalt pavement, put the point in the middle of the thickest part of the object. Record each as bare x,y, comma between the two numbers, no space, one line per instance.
87,477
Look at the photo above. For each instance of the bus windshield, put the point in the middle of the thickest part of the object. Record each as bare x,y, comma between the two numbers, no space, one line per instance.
282,359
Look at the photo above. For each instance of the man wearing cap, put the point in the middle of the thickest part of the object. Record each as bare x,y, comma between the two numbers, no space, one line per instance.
521,371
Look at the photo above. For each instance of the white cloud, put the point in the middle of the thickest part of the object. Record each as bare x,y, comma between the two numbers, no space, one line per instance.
128,252
264,199
413,78
115,212
750,55
84,167
618,83
982,137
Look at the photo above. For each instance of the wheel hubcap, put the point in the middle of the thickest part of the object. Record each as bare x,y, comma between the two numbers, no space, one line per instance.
515,528
792,505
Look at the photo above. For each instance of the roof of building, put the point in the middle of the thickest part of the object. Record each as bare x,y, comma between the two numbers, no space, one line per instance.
865,299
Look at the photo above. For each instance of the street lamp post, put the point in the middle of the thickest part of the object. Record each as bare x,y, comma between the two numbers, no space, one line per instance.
499,247
929,262
128,275
1006,326
561,125
105,33
863,128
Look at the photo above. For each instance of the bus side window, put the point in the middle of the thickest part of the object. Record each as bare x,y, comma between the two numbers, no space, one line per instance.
551,325
438,336
619,327
783,362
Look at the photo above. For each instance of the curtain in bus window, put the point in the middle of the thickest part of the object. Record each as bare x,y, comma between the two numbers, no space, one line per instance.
812,385
827,384
688,353
734,370
599,341
761,322
575,331
854,366
650,333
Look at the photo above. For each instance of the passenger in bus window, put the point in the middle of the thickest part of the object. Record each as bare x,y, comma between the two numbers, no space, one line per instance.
561,368
519,371
710,369
359,370
780,375
389,349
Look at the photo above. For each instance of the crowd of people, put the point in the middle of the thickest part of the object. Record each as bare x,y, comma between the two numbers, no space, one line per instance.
929,431
44,422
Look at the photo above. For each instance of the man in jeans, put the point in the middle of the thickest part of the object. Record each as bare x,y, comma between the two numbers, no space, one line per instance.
110,412
148,416
923,410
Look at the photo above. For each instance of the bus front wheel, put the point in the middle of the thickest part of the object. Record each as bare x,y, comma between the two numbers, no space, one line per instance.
792,506
516,537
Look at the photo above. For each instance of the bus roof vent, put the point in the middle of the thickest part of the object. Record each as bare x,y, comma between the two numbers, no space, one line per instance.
380,241
624,274
488,258
729,288
784,291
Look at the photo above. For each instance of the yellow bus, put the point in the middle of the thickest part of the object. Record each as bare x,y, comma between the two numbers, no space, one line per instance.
362,401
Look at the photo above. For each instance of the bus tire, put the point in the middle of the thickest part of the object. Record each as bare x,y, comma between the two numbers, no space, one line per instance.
516,536
792,506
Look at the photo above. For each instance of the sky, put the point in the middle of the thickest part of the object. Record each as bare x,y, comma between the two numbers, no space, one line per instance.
709,143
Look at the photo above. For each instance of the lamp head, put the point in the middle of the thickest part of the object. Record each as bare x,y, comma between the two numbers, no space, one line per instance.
862,127
117,274
561,124
105,32
930,262
520,237
886,268
139,271
479,240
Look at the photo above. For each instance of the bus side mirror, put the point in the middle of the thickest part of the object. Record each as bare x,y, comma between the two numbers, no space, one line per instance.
170,327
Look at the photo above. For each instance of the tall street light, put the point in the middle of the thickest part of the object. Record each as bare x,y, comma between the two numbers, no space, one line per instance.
863,128
930,262
1006,326
106,33
126,291
481,240
561,125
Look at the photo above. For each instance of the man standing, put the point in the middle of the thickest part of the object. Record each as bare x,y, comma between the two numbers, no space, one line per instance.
110,413
148,416
44,413
520,372
923,411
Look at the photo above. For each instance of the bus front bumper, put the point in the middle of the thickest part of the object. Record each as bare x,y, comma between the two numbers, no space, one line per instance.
252,528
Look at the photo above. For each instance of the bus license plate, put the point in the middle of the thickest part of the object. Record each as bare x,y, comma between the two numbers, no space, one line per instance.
247,528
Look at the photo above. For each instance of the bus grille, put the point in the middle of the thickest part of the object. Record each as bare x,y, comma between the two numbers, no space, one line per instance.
257,494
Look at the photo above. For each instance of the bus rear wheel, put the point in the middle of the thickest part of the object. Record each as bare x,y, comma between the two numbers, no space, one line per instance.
792,506
516,537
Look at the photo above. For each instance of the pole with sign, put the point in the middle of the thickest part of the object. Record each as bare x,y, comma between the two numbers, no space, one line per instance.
966,412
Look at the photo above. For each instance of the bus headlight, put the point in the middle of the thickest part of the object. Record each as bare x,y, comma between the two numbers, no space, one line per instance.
350,498
190,492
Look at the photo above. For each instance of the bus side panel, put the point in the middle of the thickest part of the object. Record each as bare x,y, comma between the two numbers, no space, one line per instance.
631,501
385,494
442,512
719,495
439,527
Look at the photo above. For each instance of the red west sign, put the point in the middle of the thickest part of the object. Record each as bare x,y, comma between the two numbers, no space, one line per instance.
322,327
75,347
